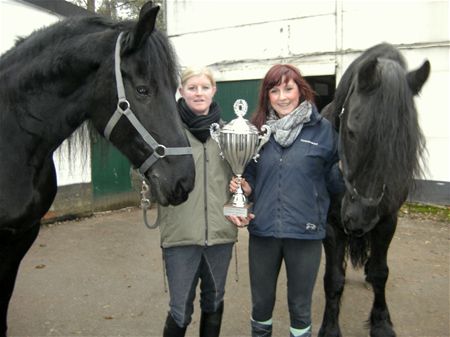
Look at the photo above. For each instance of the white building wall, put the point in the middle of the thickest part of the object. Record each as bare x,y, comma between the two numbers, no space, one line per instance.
421,30
19,19
242,39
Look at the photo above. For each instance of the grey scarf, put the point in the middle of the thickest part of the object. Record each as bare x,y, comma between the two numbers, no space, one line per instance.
287,129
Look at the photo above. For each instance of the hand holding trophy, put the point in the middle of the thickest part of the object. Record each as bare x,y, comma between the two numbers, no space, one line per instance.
239,142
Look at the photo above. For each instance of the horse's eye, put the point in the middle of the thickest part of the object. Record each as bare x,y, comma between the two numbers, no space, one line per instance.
141,90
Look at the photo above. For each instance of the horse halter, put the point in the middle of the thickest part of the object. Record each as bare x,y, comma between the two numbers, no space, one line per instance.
123,108
355,195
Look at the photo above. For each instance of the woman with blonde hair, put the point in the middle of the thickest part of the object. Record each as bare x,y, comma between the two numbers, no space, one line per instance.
196,238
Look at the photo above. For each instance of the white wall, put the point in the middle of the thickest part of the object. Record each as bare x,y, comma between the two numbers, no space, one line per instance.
242,39
256,32
19,19
421,30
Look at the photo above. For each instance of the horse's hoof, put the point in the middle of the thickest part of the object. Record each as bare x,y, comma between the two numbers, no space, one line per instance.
382,330
327,333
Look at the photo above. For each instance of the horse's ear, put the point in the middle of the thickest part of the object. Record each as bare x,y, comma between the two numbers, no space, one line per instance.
145,25
417,78
368,78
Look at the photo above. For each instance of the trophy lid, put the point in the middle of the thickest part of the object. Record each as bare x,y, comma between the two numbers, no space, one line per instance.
240,124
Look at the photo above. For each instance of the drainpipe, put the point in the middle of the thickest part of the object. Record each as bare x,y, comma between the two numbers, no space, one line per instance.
339,35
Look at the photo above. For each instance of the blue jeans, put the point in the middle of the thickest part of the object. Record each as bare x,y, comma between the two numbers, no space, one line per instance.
302,260
185,267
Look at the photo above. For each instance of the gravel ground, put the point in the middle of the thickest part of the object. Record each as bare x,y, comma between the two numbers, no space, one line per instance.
103,276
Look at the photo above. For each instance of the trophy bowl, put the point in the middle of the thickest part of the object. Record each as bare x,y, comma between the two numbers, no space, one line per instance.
239,142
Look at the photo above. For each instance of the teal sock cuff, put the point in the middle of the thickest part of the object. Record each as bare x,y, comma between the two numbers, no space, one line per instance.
299,332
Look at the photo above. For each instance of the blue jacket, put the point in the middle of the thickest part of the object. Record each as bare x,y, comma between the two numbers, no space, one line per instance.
292,186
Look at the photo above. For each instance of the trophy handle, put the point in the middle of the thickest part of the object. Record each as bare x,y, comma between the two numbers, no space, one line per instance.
214,130
263,139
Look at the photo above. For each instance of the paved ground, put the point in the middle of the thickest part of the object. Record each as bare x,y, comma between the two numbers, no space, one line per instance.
103,276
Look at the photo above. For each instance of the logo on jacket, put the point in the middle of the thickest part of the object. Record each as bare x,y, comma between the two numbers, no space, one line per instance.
311,227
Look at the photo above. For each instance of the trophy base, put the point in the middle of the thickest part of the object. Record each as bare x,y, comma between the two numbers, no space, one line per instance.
230,209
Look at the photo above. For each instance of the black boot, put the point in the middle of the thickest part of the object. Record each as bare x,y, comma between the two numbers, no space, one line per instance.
171,329
210,323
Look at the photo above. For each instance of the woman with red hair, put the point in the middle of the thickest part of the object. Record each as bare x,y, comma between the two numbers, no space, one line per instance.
290,187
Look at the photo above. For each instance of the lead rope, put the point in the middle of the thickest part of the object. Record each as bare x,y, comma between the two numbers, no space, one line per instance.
145,205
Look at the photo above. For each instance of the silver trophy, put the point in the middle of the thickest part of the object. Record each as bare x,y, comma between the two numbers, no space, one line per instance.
239,142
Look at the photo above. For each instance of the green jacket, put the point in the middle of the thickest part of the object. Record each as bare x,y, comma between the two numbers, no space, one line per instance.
200,220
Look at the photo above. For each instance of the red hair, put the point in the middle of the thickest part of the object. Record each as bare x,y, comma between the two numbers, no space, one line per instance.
273,78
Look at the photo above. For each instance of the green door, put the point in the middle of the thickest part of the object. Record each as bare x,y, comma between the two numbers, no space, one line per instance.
229,92
110,169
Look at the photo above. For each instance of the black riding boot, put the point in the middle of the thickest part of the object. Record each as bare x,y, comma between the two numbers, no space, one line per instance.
171,329
210,323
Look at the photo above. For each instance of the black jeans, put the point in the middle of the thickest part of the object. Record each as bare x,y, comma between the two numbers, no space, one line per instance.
302,260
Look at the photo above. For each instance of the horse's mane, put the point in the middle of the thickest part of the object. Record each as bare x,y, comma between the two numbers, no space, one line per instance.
64,44
383,50
54,39
393,144
75,46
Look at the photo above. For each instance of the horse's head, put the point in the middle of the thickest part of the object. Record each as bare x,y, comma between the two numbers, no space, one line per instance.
146,126
379,141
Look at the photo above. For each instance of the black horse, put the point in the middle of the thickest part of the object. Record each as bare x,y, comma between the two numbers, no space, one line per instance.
380,145
122,77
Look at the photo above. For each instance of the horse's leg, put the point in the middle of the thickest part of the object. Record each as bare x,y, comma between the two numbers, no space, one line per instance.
334,280
377,272
12,250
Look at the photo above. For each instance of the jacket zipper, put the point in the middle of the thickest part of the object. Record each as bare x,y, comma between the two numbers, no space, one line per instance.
205,186
279,194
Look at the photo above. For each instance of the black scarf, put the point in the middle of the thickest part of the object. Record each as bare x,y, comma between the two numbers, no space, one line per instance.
199,125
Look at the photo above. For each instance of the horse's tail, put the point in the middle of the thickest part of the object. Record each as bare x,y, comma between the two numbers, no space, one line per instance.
358,250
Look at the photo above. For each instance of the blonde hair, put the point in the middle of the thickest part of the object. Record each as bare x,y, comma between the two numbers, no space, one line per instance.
189,72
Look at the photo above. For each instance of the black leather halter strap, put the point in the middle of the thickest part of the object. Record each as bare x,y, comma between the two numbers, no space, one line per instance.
123,109
370,202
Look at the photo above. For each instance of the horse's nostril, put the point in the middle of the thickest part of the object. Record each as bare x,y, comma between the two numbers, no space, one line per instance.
347,220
